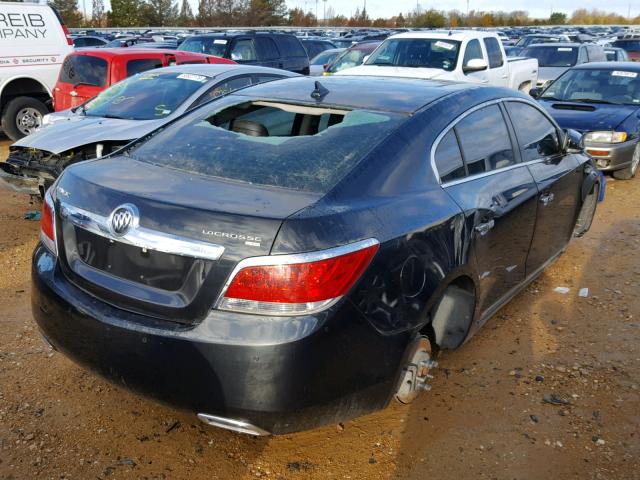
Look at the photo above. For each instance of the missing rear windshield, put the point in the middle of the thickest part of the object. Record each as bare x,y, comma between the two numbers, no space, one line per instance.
271,144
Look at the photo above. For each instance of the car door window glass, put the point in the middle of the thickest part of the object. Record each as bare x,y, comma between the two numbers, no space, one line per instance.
142,65
473,51
485,141
243,51
266,48
223,88
540,138
449,159
494,52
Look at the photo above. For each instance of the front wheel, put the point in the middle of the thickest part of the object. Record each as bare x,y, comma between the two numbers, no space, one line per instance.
629,172
587,212
22,116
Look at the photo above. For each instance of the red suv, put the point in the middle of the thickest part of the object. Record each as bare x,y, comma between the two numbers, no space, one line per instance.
87,72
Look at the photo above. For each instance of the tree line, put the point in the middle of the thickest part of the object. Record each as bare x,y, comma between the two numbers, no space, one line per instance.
247,13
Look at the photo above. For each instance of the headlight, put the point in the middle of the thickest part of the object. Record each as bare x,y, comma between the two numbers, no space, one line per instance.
605,137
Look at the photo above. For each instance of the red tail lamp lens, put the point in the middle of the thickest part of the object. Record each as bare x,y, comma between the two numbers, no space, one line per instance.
308,282
47,224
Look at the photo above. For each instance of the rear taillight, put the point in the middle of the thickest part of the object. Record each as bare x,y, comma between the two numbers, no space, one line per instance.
66,34
296,284
48,224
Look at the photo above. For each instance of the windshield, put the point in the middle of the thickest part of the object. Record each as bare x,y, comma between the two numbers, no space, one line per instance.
146,96
525,41
628,45
207,45
348,59
552,56
270,144
323,58
417,52
619,87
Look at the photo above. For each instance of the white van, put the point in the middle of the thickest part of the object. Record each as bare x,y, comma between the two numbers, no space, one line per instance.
33,44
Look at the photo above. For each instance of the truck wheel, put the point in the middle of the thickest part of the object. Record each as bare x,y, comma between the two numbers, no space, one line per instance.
22,116
629,172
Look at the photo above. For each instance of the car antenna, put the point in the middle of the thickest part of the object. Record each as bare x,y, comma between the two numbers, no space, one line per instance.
319,91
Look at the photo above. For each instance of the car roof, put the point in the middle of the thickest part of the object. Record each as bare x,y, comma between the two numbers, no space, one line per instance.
628,66
402,95
118,52
213,70
237,34
458,35
557,44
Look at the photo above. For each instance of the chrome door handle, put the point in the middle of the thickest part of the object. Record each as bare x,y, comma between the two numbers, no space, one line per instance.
483,228
547,198
505,76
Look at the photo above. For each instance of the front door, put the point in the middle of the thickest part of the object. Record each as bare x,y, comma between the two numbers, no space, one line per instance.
498,196
558,177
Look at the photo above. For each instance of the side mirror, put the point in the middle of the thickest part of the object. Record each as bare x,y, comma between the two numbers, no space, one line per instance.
572,141
475,65
535,92
364,60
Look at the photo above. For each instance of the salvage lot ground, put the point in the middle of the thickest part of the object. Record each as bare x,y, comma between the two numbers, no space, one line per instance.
486,416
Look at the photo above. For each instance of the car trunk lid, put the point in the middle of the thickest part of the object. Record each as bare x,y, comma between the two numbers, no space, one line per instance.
192,230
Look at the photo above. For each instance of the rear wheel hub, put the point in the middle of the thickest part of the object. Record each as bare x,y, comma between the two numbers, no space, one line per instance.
416,374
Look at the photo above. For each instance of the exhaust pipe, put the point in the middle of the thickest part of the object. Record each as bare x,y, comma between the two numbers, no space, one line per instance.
231,424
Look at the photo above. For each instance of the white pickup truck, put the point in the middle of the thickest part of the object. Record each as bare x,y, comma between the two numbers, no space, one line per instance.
459,56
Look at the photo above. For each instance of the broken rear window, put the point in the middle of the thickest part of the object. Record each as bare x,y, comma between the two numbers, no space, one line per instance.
272,144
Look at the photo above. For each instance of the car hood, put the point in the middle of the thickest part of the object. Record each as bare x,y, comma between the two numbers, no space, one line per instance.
74,131
586,116
550,73
407,72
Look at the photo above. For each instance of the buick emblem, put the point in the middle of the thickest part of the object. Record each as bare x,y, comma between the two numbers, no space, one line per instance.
123,219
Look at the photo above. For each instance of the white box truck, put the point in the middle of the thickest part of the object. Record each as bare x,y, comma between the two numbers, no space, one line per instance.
33,44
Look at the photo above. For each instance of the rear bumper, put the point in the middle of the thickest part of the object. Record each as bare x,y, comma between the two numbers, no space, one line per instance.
279,374
609,157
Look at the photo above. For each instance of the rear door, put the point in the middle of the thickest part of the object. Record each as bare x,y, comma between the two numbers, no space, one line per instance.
558,177
268,54
81,77
497,194
498,73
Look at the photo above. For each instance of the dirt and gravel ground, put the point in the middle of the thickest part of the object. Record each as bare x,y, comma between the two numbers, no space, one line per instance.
486,416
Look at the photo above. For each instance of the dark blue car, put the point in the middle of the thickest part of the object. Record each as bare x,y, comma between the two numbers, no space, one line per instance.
601,101
296,254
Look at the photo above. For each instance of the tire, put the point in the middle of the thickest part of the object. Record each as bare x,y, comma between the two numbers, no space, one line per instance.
587,212
629,172
22,116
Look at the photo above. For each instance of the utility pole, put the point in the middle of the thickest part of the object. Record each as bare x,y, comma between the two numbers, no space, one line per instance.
467,8
324,12
316,12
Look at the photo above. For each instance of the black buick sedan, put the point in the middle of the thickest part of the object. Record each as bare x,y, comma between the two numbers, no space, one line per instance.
296,254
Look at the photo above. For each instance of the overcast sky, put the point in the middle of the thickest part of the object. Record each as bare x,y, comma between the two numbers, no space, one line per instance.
386,8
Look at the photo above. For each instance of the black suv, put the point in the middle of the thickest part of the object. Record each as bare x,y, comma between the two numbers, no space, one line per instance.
276,50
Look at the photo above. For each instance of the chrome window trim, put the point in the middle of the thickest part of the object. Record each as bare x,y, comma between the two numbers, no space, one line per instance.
288,259
141,237
449,127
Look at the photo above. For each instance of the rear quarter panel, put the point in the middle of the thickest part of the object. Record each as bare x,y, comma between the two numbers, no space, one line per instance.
393,196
